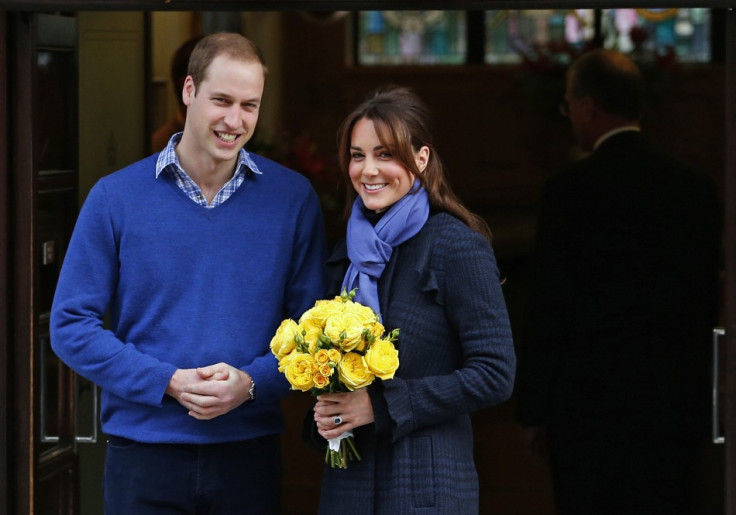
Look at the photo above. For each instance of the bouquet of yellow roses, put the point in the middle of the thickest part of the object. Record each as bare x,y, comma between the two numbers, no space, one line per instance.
337,346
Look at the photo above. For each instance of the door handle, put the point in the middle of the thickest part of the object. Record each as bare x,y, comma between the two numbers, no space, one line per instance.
716,435
92,437
47,438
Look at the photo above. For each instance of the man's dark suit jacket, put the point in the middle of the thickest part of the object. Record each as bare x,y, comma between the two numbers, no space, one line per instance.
617,333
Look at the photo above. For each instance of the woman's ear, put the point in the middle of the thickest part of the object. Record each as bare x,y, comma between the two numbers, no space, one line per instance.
421,158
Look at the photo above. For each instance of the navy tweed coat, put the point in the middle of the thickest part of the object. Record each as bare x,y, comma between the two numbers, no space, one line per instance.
442,289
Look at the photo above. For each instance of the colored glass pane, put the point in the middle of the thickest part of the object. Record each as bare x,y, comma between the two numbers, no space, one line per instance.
411,37
683,34
513,36
550,36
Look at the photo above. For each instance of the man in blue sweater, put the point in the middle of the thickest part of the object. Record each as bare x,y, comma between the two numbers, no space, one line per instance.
196,254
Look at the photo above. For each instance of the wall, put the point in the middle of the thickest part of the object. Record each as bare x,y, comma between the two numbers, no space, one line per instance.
168,31
111,93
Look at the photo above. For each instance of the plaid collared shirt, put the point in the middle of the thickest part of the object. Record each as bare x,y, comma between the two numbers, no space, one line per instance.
168,162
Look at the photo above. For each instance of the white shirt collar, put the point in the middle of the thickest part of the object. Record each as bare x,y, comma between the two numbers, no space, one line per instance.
607,135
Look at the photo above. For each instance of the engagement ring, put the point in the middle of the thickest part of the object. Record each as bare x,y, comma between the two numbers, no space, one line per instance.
337,420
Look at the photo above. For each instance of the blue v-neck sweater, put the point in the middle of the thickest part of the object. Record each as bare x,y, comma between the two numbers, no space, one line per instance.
184,287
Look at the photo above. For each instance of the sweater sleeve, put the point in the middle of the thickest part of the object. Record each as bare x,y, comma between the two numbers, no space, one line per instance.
88,278
467,284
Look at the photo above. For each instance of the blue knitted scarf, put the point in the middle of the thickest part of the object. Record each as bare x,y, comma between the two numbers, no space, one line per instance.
370,247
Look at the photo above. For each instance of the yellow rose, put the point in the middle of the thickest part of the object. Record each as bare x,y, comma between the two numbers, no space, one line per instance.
311,333
353,371
363,342
283,341
377,329
344,330
321,381
322,310
300,372
322,357
284,362
335,355
366,315
307,317
382,359
326,370
372,328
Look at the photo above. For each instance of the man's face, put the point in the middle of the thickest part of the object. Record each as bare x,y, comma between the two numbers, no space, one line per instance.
222,112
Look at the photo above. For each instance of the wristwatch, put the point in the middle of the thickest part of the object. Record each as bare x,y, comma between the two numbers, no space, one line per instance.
252,390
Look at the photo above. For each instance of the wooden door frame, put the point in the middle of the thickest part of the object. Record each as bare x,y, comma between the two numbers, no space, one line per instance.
4,286
21,154
22,459
730,258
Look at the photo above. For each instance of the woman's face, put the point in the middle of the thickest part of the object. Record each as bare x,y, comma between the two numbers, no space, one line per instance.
379,179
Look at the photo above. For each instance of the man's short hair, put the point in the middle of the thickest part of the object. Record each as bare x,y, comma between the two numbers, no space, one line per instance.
233,45
612,80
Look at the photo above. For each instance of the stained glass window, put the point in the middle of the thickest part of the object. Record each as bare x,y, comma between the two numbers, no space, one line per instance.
412,37
652,33
539,35
515,35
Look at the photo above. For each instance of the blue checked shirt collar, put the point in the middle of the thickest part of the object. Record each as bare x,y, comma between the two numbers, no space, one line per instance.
167,161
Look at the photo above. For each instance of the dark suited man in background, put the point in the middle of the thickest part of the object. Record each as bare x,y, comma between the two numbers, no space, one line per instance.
615,361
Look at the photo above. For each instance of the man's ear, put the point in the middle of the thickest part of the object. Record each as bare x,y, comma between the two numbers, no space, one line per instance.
188,91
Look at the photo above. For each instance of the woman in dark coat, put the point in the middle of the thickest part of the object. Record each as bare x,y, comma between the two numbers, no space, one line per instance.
419,258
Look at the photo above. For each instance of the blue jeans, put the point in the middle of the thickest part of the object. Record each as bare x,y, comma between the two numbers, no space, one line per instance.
158,479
